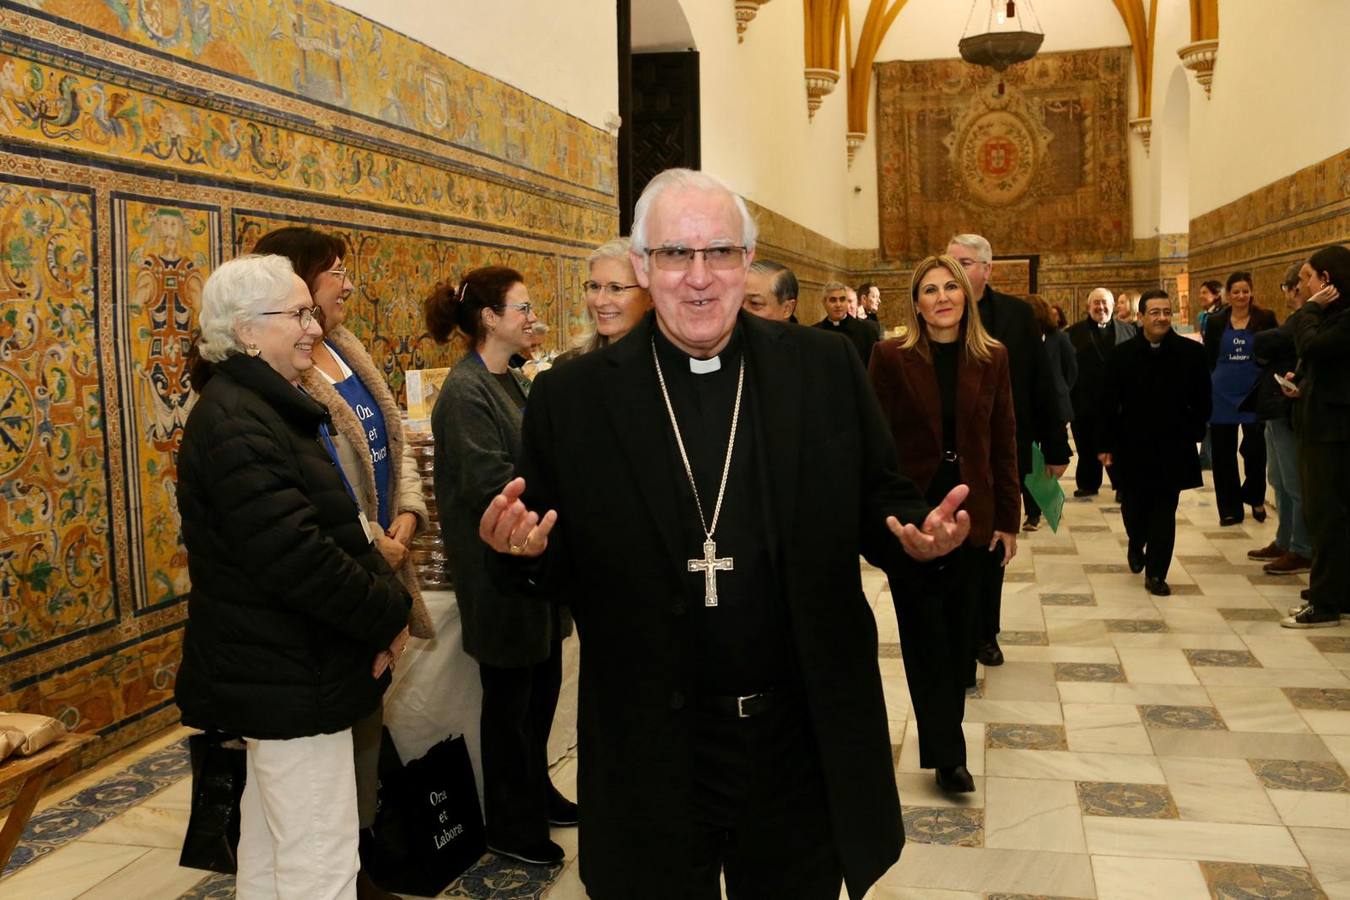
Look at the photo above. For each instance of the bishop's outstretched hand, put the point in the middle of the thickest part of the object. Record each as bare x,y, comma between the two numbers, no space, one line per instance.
943,530
508,527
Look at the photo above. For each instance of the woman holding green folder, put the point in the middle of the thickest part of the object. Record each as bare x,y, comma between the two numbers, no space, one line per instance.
945,390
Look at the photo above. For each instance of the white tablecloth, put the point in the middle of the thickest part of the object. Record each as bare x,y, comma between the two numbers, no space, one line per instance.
436,692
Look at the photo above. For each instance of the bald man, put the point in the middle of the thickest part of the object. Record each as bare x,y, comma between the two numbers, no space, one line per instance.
1093,340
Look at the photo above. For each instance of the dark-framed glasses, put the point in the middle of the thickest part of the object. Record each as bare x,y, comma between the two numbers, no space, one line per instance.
612,289
679,259
304,315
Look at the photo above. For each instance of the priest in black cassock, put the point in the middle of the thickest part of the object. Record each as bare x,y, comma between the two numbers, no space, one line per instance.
1093,340
703,511
834,297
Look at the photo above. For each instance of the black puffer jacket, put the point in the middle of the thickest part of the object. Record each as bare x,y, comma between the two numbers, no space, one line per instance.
290,602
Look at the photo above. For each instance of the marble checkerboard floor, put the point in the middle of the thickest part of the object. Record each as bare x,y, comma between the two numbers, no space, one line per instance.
1130,747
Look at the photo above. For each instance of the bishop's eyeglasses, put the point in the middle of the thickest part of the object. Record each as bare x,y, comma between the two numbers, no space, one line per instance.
679,259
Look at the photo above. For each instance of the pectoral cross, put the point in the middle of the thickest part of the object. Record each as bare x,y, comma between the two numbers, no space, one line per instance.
710,565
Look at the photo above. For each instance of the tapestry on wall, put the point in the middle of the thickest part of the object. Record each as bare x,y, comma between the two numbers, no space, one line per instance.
1036,159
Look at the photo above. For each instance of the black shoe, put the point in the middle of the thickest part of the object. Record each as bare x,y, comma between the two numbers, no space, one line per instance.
1135,560
1157,587
955,780
1259,513
1225,521
1081,492
1295,610
562,813
1118,500
989,653
544,853
1310,617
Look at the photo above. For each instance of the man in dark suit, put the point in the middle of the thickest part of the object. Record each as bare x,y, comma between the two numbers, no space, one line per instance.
1093,340
834,296
869,307
1013,323
731,717
1155,403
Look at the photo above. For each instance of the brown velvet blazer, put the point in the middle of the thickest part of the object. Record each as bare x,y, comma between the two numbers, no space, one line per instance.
986,430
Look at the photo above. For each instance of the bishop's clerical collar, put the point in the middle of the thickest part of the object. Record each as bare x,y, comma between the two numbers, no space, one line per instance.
678,359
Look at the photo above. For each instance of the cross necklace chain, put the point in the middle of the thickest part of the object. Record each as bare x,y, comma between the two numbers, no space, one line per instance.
710,564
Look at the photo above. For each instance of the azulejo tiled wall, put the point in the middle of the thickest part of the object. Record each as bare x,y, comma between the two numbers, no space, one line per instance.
142,143
1264,232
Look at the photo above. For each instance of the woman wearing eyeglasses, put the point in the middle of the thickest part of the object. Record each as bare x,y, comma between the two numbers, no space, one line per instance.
292,614
614,299
515,639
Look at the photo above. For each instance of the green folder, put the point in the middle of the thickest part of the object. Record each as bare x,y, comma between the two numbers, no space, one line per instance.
1045,488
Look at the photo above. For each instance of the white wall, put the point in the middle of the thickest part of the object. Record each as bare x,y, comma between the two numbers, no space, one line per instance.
1280,97
562,53
1170,168
755,131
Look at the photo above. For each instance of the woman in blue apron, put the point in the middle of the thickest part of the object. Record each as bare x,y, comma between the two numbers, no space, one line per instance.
365,439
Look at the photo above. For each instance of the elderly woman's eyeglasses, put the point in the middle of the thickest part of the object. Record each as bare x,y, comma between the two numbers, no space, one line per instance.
679,259
304,315
523,308
613,289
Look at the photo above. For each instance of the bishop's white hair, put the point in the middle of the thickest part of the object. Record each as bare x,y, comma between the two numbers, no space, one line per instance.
685,179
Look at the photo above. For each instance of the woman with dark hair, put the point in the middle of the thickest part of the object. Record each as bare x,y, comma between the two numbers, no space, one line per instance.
365,439
1234,370
1322,423
516,639
1064,371
945,390
1211,301
294,619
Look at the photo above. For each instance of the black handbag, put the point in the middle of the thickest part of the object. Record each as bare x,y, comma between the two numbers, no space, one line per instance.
218,773
428,826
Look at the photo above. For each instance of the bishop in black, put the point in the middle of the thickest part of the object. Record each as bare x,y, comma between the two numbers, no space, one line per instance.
748,739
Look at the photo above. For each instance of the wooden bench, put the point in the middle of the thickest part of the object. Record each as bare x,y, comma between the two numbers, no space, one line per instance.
33,774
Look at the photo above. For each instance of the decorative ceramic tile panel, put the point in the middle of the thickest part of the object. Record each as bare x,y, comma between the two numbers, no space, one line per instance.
56,575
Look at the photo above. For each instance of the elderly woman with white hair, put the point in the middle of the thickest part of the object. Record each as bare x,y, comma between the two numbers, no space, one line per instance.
294,617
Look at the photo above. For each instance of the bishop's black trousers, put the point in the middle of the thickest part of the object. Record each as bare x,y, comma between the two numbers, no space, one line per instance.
518,706
937,637
761,816
1230,494
1088,474
1150,516
1325,467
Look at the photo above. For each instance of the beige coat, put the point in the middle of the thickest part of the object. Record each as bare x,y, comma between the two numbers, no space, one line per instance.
405,486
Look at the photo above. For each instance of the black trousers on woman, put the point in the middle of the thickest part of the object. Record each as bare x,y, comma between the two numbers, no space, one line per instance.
518,707
1230,494
1325,467
936,615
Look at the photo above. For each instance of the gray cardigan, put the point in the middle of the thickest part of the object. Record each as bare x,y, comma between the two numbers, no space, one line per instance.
477,429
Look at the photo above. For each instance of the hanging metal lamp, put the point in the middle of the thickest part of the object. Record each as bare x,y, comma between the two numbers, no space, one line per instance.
999,47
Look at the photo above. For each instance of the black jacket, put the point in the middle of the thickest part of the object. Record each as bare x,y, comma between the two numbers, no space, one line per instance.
1274,350
1155,404
861,332
290,601
596,447
1092,356
1013,323
1258,319
1322,336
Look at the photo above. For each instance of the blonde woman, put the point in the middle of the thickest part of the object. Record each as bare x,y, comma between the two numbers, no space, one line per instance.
614,299
945,391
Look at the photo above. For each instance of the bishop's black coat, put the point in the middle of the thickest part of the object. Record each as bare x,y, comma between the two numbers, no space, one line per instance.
596,449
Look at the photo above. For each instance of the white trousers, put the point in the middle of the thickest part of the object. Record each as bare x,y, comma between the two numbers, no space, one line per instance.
297,820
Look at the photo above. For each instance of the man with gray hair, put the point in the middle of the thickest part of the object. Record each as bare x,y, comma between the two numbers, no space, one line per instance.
771,291
1013,323
731,717
839,320
1093,340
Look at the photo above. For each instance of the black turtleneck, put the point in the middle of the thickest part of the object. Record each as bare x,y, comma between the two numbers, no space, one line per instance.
744,643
